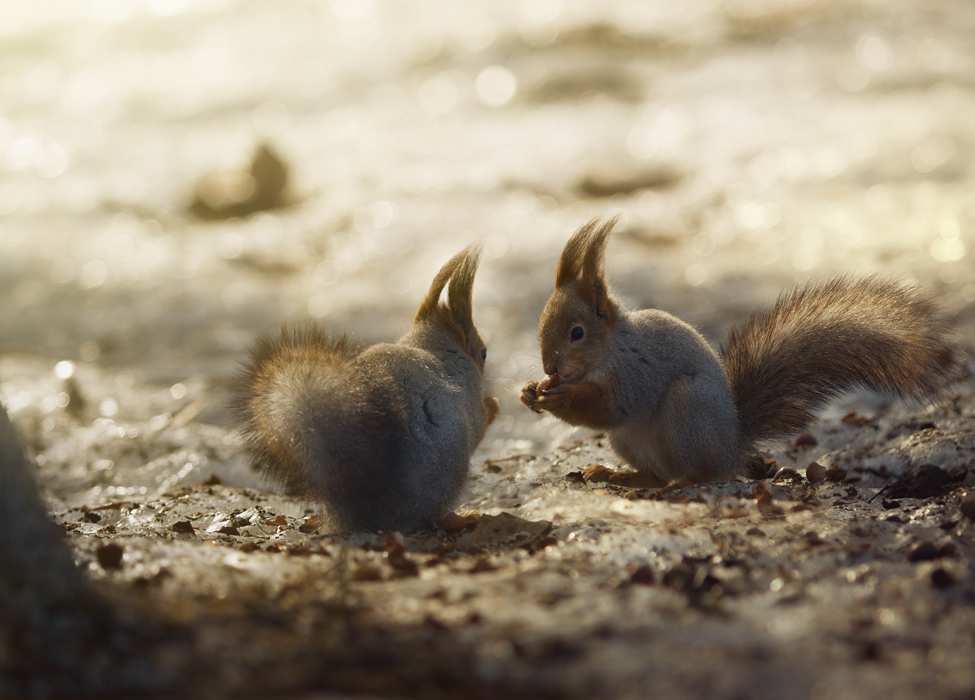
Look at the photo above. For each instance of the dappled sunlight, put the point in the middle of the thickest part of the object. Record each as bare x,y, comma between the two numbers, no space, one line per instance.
178,177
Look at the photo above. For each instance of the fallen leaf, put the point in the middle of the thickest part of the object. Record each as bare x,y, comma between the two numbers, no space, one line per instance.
182,526
761,492
453,522
310,525
763,497
393,544
785,474
394,549
926,481
471,516
853,418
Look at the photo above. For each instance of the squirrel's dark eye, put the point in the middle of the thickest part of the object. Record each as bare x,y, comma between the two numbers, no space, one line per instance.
483,353
577,333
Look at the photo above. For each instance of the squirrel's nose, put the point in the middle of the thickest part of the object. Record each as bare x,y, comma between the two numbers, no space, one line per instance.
551,369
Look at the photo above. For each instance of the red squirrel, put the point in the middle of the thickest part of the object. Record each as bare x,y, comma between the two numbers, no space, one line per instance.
678,410
381,436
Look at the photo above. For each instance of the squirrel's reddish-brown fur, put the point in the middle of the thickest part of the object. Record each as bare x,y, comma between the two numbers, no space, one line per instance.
677,410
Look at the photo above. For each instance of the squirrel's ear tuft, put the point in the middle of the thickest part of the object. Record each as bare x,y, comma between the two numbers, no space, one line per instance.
594,260
460,292
583,262
432,301
583,256
570,262
457,314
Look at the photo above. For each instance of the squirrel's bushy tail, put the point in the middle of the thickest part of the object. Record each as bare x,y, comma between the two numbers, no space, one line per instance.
820,341
309,421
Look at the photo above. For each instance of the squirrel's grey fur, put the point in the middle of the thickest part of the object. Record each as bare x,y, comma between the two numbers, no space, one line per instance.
381,436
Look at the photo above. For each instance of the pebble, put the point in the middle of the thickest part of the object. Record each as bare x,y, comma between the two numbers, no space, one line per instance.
109,556
806,440
940,578
925,551
644,574
968,506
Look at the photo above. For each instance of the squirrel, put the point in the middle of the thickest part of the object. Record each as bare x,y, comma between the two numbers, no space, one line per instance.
678,410
37,570
381,436
58,636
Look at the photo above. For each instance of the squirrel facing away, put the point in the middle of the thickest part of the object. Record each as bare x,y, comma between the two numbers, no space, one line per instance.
677,410
381,436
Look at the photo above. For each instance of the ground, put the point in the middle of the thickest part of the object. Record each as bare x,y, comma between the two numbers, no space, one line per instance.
148,237
857,585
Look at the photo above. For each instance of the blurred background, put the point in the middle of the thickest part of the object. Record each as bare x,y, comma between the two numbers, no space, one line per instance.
179,176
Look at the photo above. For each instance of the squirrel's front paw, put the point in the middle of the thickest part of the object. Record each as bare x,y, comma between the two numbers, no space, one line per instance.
529,395
551,396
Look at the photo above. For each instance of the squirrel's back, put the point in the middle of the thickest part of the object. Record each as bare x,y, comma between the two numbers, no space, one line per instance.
382,437
821,340
334,422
